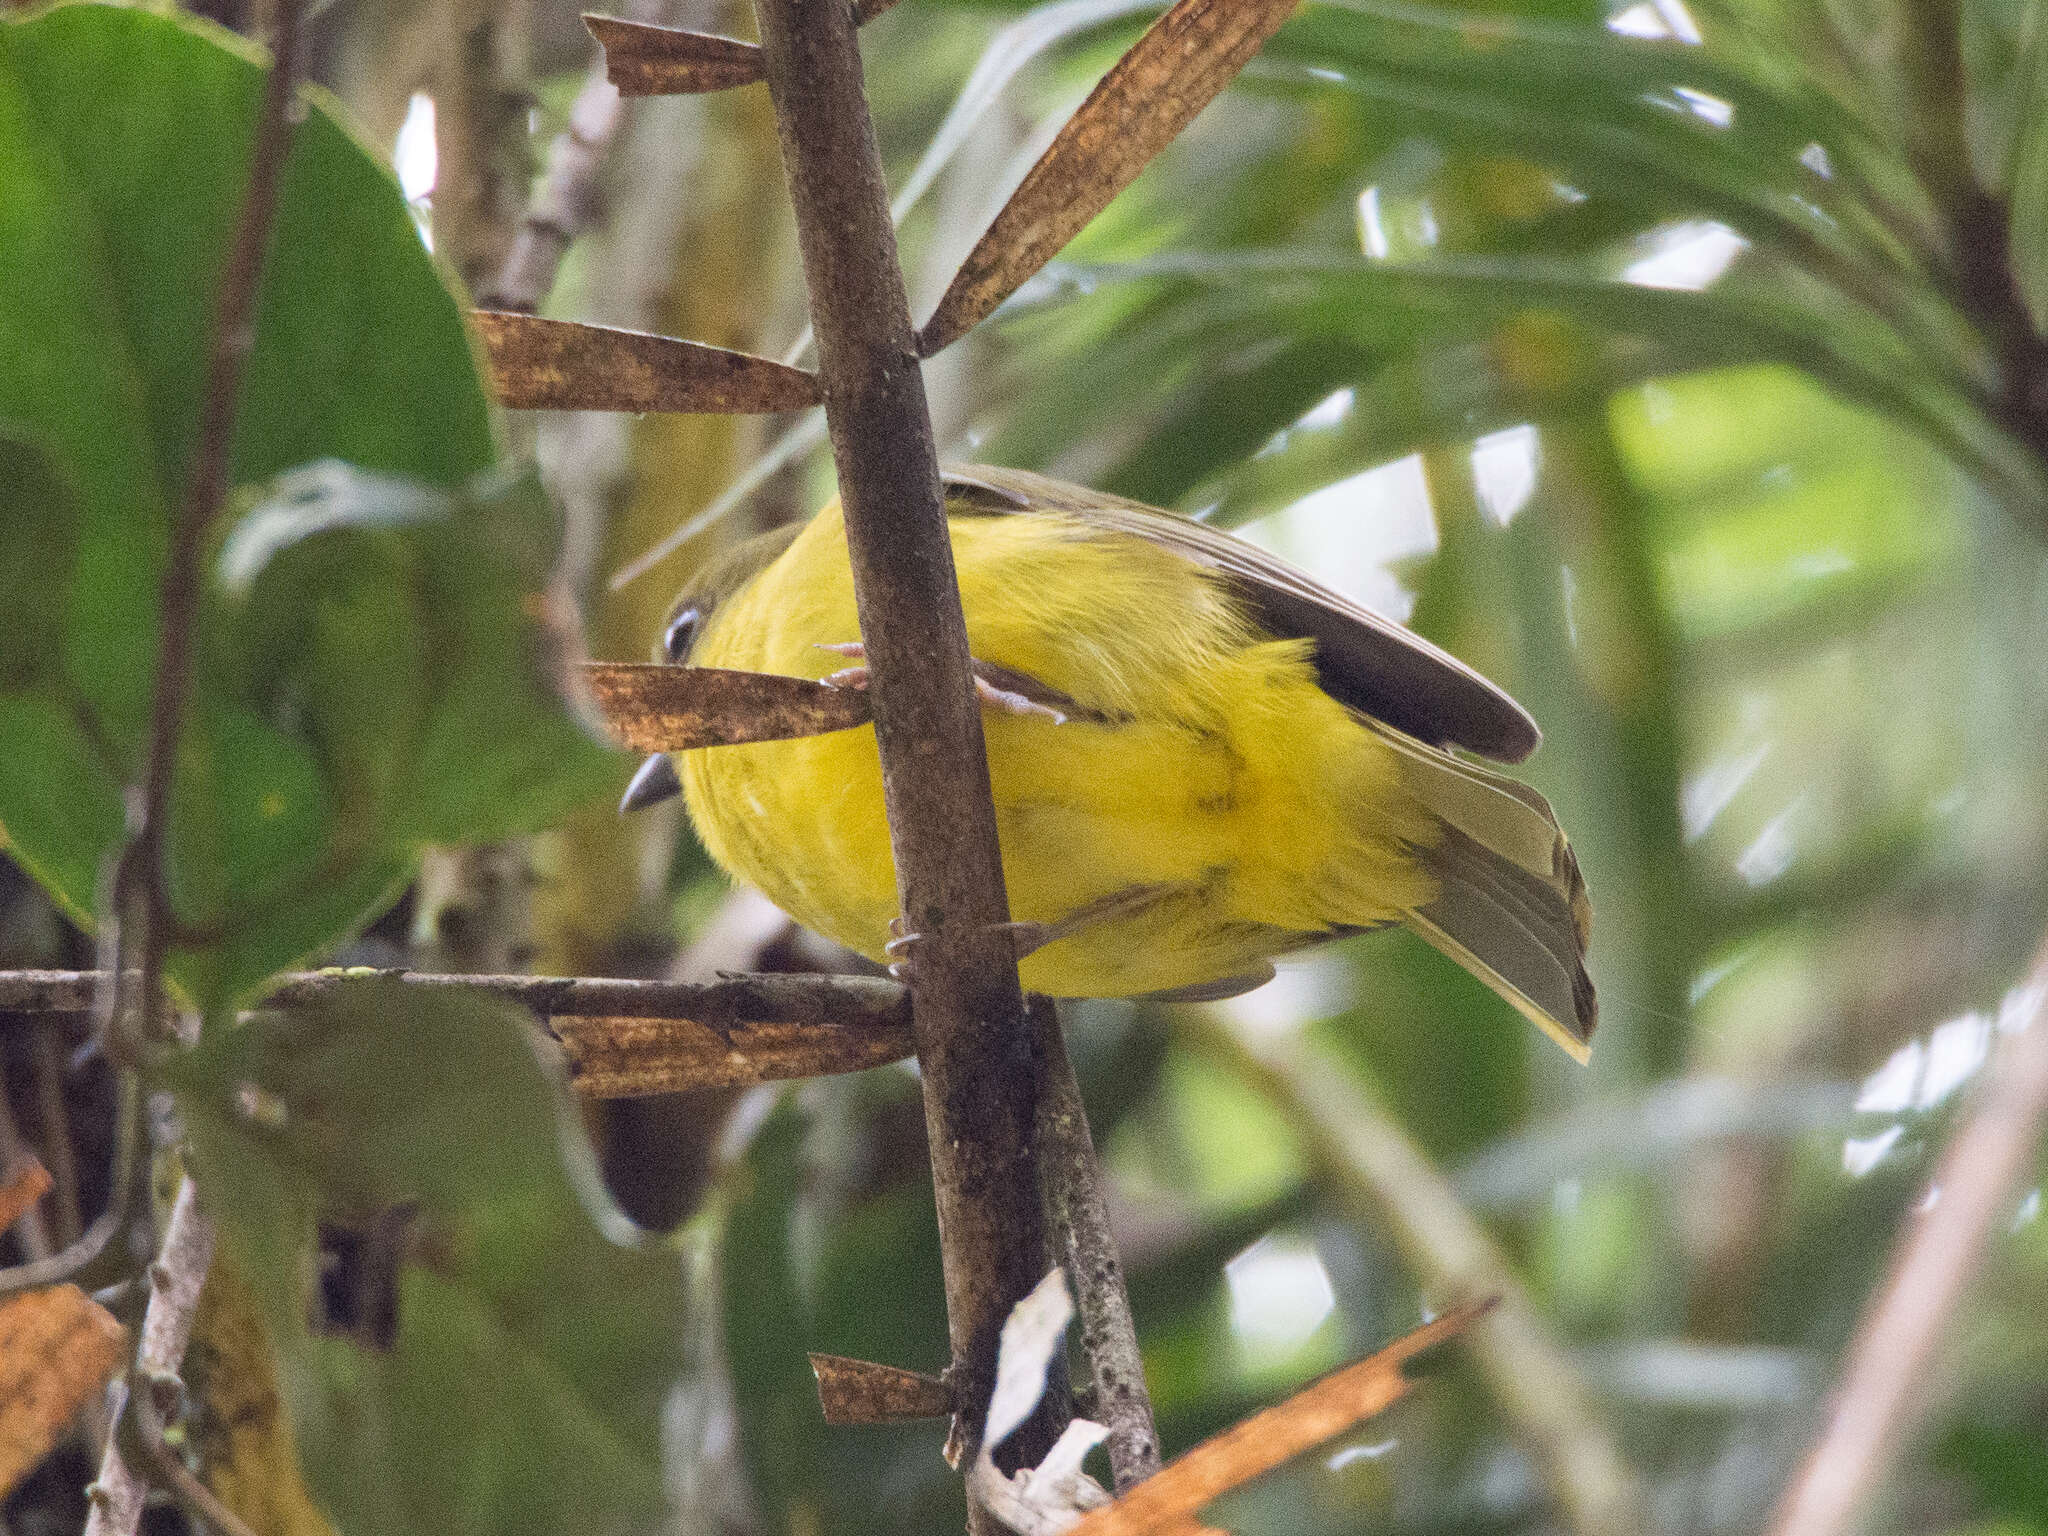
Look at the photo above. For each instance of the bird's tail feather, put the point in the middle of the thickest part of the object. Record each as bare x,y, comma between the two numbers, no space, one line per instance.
1511,906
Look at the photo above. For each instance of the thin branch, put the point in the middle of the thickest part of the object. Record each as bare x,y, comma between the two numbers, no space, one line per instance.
141,1430
1077,1220
855,1002
968,1012
623,1038
566,198
23,1183
175,1281
1883,1393
138,887
1374,1166
78,1258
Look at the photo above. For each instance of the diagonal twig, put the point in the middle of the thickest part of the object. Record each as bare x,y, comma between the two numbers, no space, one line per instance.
1154,91
1882,1393
1168,1502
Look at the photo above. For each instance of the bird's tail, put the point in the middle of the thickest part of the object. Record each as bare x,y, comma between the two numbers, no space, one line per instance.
1510,906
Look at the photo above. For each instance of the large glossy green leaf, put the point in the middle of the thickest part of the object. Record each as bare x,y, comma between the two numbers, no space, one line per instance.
361,685
114,231
522,1386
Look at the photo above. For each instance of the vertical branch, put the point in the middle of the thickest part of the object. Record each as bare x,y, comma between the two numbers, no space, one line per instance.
179,1274
973,1045
1078,1221
138,882
479,134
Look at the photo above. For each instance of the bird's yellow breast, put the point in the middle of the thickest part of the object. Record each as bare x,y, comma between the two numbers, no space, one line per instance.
1215,770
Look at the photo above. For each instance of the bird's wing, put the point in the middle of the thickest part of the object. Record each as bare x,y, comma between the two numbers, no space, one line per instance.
1366,661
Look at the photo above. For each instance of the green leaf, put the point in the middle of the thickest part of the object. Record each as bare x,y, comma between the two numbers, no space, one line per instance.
39,521
115,230
522,1388
403,625
373,673
61,797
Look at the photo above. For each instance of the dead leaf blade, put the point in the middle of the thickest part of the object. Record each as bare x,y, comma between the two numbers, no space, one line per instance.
58,1349
1178,67
560,365
1169,1500
620,1058
863,1392
642,59
656,708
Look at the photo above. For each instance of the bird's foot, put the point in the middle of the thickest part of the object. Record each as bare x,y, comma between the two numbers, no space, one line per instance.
1028,937
997,687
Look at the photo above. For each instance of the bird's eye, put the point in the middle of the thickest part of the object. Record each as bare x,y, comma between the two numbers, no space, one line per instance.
681,631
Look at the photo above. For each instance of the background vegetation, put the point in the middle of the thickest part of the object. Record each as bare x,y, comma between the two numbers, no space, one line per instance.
1679,367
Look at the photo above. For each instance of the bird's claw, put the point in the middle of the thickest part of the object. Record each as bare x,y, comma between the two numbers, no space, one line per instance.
1028,938
991,693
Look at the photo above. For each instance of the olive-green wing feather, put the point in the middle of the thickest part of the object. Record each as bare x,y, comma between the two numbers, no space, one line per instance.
1366,661
1511,906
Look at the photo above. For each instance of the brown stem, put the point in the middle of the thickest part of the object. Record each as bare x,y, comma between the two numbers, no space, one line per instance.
854,1001
1077,1218
1882,1394
139,883
967,1010
564,200
175,1281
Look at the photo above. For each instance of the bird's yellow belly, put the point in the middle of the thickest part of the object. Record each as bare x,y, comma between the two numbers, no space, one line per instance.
1232,796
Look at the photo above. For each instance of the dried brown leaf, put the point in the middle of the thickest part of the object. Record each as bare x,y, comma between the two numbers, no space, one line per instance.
645,60
1168,1501
1154,91
21,1189
642,59
560,365
58,1349
862,1392
657,708
616,1058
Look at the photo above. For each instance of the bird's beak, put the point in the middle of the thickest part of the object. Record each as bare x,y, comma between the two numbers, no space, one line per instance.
655,782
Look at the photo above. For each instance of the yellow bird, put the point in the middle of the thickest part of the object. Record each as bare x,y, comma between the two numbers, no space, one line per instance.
1201,758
